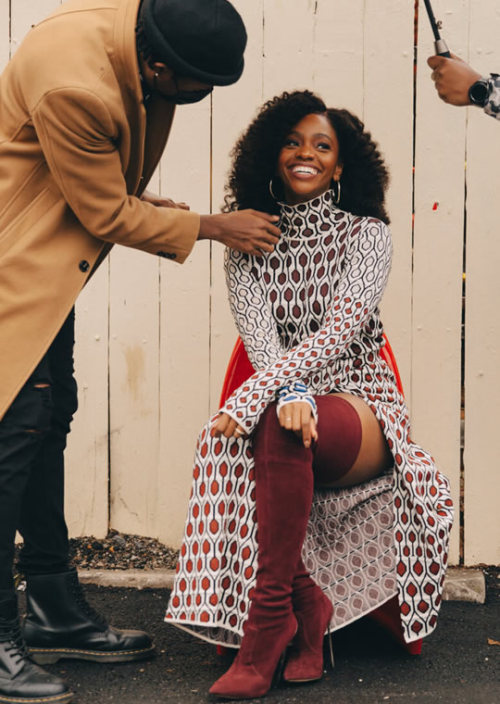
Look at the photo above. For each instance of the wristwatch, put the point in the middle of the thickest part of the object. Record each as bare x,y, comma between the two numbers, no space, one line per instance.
479,92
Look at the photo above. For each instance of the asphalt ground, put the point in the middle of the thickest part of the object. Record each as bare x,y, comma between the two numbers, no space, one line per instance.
460,662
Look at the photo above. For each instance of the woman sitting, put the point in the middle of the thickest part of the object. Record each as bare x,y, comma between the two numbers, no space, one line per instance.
310,506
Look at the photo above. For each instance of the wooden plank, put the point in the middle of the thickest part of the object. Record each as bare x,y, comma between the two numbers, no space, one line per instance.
4,33
387,63
288,46
87,460
438,254
184,321
134,394
482,334
233,109
339,29
25,14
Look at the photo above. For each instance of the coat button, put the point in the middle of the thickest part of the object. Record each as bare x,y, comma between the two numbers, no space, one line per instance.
167,255
84,265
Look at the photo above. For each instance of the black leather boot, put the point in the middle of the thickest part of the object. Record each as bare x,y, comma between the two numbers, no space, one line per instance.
60,624
20,679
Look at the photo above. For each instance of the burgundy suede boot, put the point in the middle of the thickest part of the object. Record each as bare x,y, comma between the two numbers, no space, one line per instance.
313,610
284,487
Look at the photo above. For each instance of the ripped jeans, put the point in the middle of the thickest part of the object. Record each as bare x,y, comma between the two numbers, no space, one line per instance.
32,442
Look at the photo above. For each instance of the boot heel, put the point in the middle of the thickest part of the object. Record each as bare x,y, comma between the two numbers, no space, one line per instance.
330,648
44,658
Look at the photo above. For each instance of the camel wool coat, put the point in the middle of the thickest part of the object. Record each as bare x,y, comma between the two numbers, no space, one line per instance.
77,147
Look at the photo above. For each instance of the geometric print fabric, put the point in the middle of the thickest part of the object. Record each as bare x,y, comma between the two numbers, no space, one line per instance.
308,312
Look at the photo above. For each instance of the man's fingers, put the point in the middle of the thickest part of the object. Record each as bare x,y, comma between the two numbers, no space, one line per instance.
269,225
436,61
266,216
263,247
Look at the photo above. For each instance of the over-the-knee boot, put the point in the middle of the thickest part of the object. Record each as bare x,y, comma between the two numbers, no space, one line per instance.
61,624
284,486
20,679
313,610
340,434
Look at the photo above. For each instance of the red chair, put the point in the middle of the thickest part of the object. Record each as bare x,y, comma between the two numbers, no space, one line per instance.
239,369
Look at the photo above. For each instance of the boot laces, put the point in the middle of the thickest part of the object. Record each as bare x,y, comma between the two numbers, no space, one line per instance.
11,634
83,604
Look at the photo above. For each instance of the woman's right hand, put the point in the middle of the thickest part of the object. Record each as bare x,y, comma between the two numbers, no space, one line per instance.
298,417
227,426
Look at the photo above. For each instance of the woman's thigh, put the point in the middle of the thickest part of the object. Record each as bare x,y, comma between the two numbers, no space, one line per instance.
373,456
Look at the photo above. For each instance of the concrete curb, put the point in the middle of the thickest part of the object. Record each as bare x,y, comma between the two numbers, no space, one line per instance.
460,584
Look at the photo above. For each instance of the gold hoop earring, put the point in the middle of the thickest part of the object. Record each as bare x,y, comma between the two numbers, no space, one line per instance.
271,189
336,199
155,80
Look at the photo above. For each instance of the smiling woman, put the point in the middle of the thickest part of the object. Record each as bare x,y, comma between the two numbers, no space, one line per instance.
311,506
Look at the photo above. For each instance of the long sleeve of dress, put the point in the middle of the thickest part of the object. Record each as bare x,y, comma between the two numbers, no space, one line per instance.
251,312
492,107
358,294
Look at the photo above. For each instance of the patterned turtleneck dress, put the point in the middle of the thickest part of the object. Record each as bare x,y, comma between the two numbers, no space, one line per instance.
309,312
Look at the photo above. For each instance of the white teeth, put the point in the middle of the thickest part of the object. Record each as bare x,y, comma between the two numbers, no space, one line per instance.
304,170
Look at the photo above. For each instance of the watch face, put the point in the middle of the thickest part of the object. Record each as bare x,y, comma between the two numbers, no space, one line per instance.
479,92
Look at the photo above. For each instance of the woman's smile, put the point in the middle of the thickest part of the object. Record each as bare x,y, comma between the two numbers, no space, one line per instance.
309,160
303,171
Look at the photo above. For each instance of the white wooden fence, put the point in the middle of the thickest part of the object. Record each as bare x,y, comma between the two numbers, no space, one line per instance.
153,338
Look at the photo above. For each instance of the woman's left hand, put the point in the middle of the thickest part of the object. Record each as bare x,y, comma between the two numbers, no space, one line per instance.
227,426
298,417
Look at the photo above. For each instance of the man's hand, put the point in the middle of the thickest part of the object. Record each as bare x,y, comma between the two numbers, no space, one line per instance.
248,231
227,426
453,78
298,418
161,202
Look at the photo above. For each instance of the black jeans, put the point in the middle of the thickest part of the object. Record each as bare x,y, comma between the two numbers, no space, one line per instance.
32,442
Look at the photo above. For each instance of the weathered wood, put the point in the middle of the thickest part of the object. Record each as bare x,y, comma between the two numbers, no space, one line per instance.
482,331
437,264
4,33
184,325
87,456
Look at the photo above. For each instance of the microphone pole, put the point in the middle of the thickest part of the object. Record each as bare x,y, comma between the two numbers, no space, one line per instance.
439,43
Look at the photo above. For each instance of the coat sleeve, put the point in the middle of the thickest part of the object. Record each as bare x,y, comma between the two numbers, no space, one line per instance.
78,138
492,107
359,292
251,312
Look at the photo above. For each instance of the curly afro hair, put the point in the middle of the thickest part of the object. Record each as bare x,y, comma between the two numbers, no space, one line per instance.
364,177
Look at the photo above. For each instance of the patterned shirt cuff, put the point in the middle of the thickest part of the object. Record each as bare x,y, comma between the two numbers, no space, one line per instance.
293,393
492,107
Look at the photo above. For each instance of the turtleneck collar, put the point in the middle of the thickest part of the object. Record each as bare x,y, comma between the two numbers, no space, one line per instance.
313,218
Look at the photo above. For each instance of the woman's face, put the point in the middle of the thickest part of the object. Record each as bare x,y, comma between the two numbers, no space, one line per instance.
309,159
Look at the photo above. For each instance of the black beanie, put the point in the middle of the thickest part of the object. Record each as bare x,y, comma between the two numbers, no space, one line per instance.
201,39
